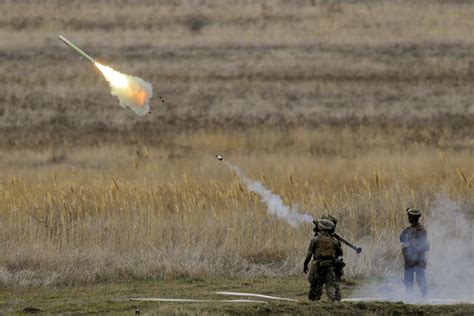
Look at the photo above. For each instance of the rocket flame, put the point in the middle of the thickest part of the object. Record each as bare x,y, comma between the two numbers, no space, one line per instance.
132,92
115,78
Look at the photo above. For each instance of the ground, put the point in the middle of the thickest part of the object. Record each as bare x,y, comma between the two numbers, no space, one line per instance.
114,298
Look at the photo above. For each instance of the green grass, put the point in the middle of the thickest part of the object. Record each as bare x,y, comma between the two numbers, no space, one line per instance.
114,299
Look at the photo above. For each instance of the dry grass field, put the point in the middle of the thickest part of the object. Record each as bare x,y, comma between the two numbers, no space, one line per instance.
237,64
115,213
357,109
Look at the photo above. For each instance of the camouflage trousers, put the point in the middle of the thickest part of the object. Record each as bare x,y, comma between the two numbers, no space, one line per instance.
322,276
338,289
339,270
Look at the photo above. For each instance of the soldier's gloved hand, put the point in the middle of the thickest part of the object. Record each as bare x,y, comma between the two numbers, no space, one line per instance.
305,268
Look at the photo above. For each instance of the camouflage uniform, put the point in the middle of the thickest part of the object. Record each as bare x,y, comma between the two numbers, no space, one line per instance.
415,245
339,272
322,271
338,262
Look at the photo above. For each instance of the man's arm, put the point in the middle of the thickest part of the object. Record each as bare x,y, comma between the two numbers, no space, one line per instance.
403,236
424,244
338,245
309,254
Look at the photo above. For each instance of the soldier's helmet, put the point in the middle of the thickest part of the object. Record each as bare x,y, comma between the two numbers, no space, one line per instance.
326,225
330,218
411,212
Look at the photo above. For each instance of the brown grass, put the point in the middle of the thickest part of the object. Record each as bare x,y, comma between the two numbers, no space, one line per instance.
386,64
358,109
114,213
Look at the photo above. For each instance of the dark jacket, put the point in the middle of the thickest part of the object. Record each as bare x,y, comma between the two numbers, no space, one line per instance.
415,246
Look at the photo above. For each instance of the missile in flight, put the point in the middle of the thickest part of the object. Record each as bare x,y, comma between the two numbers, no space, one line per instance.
77,49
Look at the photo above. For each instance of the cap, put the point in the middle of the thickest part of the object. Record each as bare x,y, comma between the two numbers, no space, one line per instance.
413,212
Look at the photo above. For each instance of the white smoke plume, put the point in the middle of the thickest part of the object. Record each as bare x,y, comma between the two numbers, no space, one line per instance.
132,92
128,99
274,203
450,269
451,258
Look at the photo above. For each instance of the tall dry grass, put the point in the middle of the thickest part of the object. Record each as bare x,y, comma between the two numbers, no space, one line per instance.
119,213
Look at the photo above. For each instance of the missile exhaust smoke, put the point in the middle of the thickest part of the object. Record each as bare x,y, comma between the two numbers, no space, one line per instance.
132,92
450,272
274,202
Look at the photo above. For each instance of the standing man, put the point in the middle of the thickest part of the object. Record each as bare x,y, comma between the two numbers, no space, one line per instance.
338,261
415,245
324,249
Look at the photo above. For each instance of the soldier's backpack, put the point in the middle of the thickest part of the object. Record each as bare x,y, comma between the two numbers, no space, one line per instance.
325,247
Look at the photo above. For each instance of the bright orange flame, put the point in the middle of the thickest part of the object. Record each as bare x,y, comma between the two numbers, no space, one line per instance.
116,79
139,96
125,84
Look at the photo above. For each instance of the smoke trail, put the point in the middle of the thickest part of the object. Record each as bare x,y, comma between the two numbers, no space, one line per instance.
450,272
274,203
132,92
451,268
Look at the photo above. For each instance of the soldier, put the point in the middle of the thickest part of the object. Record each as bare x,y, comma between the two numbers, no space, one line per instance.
338,262
415,245
324,249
